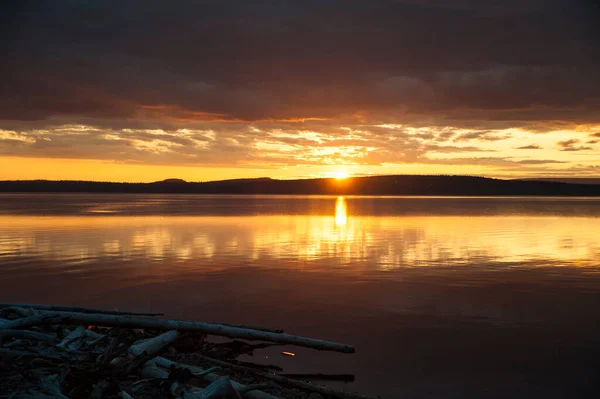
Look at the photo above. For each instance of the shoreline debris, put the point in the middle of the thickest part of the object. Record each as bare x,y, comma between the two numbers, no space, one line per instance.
66,352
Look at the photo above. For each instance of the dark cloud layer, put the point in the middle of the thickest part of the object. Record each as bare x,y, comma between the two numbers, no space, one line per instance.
460,63
572,145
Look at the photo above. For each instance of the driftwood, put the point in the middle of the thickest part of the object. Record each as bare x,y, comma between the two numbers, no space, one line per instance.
142,352
154,346
219,389
166,363
273,330
101,355
79,337
288,381
15,353
78,309
25,322
196,326
26,334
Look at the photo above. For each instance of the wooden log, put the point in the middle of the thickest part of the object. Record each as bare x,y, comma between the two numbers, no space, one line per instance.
25,334
219,389
26,322
59,308
64,357
155,345
22,312
198,326
73,340
288,381
153,372
142,352
166,363
273,330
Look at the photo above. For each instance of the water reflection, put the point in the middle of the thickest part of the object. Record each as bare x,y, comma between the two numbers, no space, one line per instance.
433,277
341,211
357,243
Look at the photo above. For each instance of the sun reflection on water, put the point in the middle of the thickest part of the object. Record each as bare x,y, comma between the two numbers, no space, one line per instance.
341,212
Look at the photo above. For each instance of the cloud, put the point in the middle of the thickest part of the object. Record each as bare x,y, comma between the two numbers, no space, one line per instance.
538,161
238,60
480,136
570,145
529,147
270,83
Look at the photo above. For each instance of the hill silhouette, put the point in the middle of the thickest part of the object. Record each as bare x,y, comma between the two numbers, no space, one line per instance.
372,185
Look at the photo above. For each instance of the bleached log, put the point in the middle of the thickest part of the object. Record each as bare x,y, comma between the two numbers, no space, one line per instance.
78,309
22,312
288,381
70,341
25,334
26,322
197,326
42,355
153,346
273,330
166,363
152,372
219,389
143,351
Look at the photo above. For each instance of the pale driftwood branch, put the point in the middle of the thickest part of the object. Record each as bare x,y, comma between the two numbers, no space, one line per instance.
196,326
273,330
25,322
70,341
155,345
25,334
142,352
152,372
33,355
288,381
78,309
23,312
125,395
166,363
221,388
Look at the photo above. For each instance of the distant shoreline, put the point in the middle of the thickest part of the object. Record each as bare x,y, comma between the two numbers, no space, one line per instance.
404,185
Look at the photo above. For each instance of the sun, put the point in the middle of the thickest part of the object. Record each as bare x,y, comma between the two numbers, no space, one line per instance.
341,174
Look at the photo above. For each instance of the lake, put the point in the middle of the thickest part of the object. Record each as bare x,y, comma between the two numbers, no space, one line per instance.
442,297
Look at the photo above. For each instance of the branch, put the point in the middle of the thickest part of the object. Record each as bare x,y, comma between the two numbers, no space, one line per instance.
77,309
197,326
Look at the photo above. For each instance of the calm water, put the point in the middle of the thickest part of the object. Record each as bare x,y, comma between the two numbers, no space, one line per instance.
442,297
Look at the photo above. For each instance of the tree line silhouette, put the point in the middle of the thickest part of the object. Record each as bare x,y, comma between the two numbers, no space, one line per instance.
371,185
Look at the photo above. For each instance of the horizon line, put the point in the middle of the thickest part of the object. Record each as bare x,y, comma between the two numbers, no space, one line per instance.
175,180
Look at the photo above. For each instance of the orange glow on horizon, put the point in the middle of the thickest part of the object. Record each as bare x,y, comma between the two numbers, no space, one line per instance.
341,174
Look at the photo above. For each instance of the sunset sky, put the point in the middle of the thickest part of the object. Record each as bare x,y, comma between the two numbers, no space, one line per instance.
207,90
